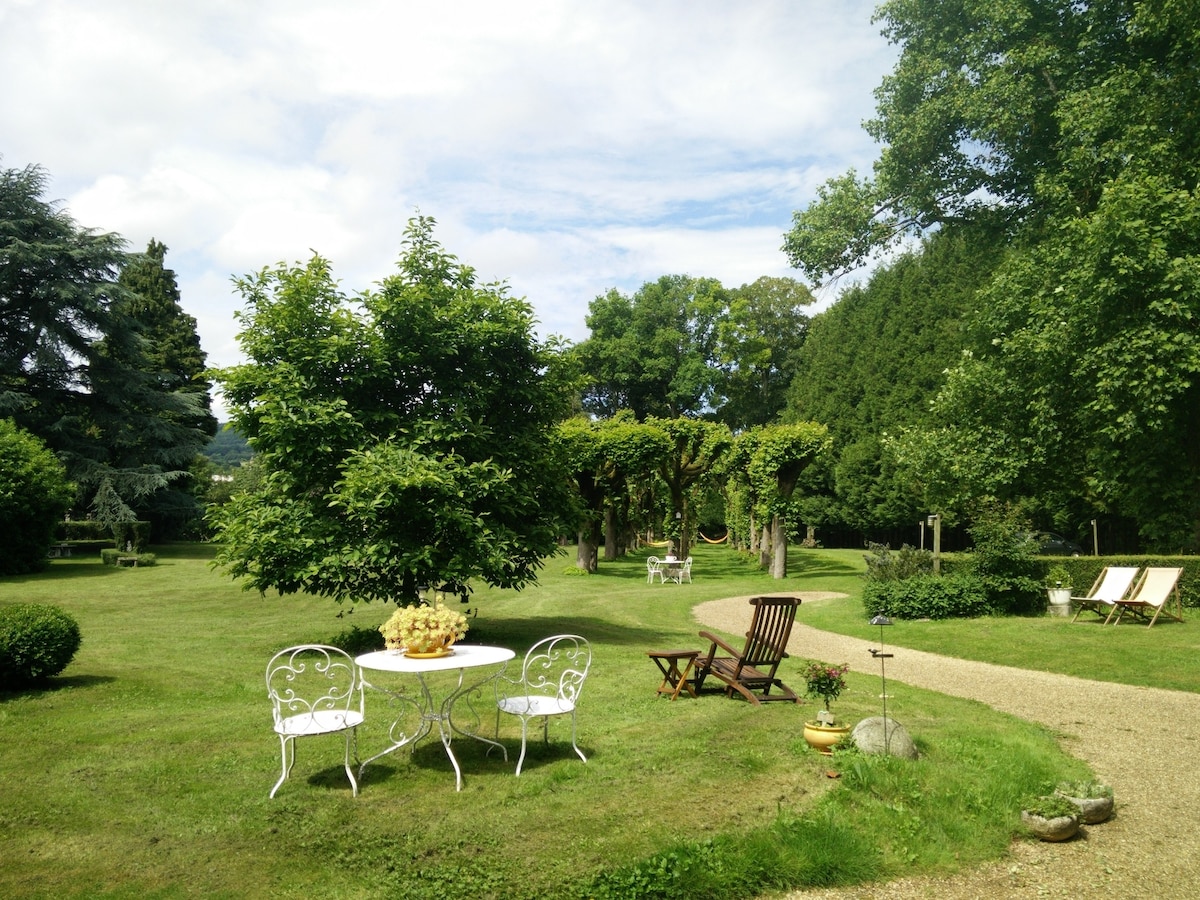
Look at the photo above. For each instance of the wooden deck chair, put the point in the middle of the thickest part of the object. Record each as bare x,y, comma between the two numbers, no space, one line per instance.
751,671
1111,585
1158,590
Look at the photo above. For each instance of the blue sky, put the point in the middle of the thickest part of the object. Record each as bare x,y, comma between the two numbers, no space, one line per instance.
563,147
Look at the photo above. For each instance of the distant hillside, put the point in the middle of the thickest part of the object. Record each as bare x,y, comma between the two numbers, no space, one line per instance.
228,449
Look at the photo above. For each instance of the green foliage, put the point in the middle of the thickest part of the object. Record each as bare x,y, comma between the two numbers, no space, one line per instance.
868,369
654,353
795,852
1049,806
403,434
929,597
134,536
83,530
228,449
1064,131
825,681
74,364
36,642
907,562
1084,790
759,339
34,494
1057,577
1004,561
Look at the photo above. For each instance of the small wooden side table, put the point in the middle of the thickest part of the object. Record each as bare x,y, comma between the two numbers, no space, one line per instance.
674,681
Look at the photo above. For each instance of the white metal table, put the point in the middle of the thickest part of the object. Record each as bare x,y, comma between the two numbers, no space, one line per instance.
427,709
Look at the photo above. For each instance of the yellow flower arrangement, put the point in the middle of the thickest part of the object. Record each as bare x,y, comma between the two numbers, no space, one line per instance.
424,628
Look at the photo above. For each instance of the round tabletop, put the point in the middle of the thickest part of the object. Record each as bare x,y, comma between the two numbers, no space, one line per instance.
462,656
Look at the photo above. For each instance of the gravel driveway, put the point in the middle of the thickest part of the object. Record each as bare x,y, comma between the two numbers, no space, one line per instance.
1142,741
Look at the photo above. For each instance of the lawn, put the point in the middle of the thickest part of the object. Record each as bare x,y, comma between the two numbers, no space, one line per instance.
1128,653
143,771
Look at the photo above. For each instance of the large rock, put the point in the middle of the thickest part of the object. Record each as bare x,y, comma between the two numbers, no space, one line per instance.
869,736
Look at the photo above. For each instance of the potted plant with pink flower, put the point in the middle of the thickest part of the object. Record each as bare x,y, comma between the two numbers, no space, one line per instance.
826,682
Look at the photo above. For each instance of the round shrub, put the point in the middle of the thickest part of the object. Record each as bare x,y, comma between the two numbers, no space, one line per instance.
928,597
36,643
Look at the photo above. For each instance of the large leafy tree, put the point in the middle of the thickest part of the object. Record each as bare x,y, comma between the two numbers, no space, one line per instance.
654,353
1070,130
607,459
696,448
73,364
759,341
774,458
403,434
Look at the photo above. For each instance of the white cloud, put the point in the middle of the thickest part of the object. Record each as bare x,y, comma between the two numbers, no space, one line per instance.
563,147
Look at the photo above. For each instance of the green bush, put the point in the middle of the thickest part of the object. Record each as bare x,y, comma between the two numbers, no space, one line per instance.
110,556
928,597
134,535
1005,563
36,642
84,530
907,562
34,494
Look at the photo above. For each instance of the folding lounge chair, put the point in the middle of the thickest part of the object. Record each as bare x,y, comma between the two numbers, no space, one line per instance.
1158,590
1111,585
751,671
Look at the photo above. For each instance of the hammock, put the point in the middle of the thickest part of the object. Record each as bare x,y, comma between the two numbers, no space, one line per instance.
711,541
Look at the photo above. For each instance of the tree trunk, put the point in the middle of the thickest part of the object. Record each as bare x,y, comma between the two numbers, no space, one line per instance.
780,547
764,548
610,532
587,550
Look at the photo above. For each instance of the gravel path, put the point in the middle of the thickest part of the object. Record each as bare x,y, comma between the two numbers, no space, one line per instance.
1151,845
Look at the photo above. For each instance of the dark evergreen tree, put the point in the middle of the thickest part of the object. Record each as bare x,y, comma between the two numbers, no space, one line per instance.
73,369
173,361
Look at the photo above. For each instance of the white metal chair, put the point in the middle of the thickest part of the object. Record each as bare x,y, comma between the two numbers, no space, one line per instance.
314,690
681,571
550,683
653,569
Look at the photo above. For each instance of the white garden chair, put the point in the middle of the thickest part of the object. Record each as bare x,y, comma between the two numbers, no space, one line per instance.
654,569
314,690
550,683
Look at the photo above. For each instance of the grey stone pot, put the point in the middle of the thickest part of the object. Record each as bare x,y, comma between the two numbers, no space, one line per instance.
1059,828
1092,810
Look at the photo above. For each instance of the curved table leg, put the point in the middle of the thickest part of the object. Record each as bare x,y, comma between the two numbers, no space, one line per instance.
443,714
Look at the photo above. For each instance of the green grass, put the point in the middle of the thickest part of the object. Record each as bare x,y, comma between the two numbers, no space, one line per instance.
1128,653
143,771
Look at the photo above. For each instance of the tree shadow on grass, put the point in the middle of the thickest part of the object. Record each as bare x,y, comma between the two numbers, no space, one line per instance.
53,685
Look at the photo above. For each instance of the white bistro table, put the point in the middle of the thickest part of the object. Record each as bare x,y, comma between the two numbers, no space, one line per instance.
428,709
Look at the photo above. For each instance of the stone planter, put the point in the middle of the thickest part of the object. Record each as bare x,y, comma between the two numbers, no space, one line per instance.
1092,810
1057,828
1060,601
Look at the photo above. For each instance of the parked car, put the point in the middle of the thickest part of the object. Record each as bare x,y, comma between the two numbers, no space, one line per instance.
1051,544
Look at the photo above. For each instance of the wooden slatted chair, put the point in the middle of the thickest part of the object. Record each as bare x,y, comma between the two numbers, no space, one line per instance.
751,671
1158,590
